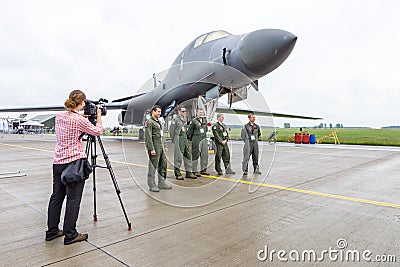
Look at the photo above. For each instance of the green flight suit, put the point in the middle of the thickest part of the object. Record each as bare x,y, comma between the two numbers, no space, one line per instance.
177,131
154,138
197,134
250,135
220,133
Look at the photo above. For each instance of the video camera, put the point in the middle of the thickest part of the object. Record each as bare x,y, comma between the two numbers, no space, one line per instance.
90,109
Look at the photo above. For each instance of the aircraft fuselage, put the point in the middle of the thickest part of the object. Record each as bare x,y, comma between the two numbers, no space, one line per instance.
214,59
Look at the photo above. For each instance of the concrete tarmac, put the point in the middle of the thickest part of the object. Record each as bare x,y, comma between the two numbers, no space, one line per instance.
319,205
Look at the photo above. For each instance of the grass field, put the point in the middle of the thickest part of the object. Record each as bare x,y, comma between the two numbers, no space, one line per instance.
349,136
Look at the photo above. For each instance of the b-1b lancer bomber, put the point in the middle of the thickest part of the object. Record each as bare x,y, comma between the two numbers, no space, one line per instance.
213,64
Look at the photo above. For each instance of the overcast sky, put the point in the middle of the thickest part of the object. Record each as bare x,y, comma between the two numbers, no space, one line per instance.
344,67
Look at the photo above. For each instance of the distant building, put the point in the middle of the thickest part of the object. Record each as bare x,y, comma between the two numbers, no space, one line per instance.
32,126
48,120
38,124
15,122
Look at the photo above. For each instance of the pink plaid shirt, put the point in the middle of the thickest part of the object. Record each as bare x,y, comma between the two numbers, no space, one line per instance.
69,126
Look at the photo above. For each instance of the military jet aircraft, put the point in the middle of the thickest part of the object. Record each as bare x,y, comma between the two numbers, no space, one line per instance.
212,65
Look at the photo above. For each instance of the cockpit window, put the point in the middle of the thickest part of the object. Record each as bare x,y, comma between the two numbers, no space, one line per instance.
210,37
215,35
199,40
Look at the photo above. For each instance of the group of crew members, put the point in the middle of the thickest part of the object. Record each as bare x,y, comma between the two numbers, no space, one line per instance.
69,156
196,132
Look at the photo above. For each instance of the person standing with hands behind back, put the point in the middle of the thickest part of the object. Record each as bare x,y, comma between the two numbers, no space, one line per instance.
197,133
178,135
221,138
250,134
70,124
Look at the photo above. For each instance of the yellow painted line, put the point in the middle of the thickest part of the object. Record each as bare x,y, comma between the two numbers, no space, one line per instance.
378,203
131,164
360,200
303,191
25,147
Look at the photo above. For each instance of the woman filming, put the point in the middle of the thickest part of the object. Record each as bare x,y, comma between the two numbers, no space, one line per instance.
70,124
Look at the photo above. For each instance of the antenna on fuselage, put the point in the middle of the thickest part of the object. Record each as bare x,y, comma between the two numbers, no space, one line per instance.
154,80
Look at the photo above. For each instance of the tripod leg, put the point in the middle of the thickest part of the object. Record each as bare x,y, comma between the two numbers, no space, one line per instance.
94,160
117,190
91,148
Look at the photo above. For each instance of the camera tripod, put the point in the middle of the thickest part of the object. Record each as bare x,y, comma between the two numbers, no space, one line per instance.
91,148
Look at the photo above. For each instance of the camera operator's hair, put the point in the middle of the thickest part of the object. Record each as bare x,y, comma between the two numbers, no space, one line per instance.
75,98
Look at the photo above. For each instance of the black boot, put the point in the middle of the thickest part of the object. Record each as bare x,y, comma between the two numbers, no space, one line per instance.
257,170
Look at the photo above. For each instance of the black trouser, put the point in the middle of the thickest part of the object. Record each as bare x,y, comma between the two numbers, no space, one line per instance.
74,196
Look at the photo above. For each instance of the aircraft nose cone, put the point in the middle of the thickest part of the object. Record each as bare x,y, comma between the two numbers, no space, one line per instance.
263,51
